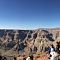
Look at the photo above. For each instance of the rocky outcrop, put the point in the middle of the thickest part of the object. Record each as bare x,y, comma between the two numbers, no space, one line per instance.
24,42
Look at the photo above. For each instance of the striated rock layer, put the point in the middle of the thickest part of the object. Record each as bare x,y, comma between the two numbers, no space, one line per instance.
25,42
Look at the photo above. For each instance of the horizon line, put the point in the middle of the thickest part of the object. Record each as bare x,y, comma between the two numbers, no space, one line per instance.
28,29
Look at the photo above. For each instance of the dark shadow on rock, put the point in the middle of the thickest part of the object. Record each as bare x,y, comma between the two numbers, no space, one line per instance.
49,36
35,36
45,31
22,35
21,47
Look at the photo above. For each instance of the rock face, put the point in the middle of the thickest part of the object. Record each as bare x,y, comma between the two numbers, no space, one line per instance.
24,42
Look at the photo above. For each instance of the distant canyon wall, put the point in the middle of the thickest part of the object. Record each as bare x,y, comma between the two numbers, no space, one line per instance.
24,42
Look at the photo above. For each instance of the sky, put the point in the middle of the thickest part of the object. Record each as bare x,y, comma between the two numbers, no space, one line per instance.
29,14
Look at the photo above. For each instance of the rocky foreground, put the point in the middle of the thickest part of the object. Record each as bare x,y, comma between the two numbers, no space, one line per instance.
25,42
41,56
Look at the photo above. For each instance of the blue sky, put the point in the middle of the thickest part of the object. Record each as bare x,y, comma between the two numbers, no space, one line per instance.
29,14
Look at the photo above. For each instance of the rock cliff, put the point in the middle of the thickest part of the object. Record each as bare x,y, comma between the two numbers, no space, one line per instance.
24,42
